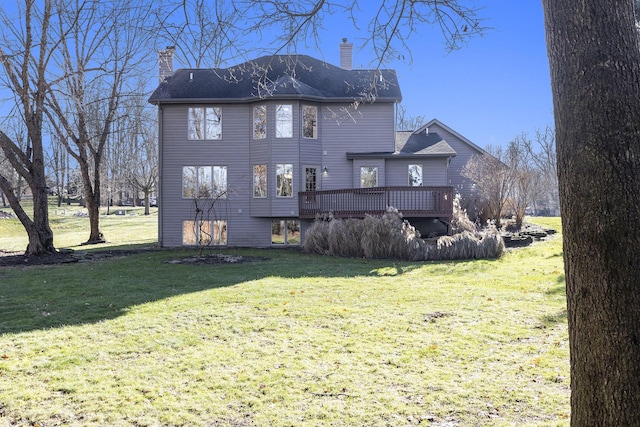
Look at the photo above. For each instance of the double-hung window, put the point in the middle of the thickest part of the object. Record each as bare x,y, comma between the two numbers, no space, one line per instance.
368,176
259,122
204,232
260,181
309,121
205,123
220,181
284,180
284,121
204,182
415,175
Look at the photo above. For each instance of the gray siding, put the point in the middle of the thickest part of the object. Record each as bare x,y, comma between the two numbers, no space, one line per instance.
310,150
370,128
233,151
377,163
434,171
464,153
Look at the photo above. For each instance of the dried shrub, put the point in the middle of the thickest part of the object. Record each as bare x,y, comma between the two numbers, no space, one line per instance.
344,237
316,238
467,245
390,236
460,221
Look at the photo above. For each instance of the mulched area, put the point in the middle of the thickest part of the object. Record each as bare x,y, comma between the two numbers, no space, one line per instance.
19,259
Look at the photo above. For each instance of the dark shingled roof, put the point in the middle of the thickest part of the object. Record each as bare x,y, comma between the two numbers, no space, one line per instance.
278,76
411,144
421,143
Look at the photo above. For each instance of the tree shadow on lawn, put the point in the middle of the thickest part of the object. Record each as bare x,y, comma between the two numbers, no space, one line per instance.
103,286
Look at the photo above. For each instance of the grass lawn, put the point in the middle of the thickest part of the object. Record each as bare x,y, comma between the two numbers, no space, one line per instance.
70,229
294,340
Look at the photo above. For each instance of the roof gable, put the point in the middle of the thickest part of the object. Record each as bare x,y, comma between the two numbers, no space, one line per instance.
279,76
422,143
409,144
451,131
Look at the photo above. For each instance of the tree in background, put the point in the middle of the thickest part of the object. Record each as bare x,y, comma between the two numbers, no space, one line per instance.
138,137
526,185
26,47
205,33
493,179
542,152
595,82
105,47
59,166
407,122
392,23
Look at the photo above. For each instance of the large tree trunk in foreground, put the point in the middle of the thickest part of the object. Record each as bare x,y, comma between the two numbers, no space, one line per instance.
595,76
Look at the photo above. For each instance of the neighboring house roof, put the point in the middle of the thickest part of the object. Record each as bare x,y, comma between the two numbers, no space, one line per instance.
422,143
278,76
451,131
412,144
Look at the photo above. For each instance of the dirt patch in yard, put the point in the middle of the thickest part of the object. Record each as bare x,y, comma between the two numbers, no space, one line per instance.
19,259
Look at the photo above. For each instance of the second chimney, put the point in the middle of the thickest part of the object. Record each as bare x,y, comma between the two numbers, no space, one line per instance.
165,63
346,55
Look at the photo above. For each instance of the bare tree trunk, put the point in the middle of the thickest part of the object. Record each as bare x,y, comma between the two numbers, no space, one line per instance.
595,76
38,230
25,69
92,200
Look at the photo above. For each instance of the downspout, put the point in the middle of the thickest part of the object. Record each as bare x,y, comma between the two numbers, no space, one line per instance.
160,172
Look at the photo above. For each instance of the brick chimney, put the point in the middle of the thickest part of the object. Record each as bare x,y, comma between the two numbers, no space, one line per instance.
165,63
346,55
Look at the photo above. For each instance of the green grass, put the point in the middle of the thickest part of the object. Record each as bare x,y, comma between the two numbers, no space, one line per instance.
297,339
70,230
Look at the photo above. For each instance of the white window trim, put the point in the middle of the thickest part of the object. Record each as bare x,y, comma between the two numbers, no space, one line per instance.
204,123
421,175
303,121
266,183
292,182
375,168
253,122
289,123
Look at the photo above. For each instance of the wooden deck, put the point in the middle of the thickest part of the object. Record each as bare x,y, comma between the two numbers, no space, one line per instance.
425,202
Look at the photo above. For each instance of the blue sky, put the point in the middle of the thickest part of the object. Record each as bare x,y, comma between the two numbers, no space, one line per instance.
492,90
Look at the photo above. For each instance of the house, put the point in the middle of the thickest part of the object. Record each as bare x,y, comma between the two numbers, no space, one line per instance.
250,155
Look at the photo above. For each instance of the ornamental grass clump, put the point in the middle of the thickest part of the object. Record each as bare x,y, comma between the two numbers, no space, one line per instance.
344,238
390,236
460,220
316,239
466,245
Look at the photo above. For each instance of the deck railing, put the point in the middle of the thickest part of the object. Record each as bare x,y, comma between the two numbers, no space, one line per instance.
435,202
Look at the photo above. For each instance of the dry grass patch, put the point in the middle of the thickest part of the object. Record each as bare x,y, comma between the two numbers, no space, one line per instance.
298,339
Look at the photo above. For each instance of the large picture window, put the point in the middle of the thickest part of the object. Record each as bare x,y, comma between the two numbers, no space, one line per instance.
196,233
415,175
284,180
368,176
220,181
284,121
204,182
309,122
259,122
189,182
205,123
285,232
201,233
259,180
